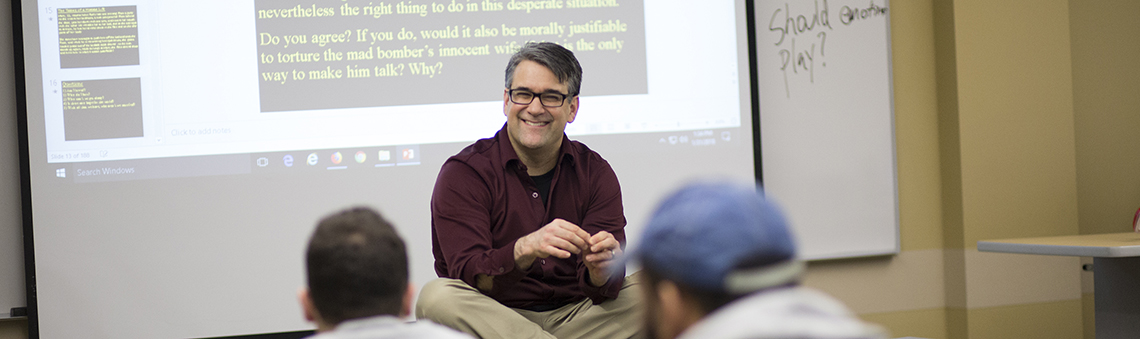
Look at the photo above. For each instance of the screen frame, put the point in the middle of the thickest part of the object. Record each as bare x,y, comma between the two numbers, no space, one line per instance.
24,153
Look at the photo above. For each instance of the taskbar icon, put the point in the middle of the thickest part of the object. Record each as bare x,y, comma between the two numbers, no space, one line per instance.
339,159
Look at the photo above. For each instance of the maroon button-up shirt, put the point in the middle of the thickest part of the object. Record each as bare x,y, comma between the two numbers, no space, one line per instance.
484,201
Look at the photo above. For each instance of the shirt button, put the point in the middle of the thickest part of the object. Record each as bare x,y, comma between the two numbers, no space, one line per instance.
501,270
534,195
544,261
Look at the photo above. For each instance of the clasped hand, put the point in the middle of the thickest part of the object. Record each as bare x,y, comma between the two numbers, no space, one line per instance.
560,239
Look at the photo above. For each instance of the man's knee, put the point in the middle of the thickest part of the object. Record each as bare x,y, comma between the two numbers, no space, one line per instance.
630,299
637,278
437,294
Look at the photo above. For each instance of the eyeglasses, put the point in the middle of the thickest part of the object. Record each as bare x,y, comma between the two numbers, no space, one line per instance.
525,97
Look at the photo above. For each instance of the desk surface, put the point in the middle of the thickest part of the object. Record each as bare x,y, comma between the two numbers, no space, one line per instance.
1111,245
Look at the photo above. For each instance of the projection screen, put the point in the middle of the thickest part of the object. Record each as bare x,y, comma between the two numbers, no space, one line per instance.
179,153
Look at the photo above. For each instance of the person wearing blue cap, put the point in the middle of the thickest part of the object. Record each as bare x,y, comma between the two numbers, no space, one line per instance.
719,262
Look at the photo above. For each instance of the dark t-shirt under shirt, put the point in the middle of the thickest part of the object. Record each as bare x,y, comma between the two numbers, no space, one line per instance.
542,183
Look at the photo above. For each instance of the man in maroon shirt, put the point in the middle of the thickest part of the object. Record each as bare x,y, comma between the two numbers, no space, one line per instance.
526,224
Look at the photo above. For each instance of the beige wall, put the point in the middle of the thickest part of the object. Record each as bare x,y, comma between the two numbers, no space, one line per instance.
1106,104
11,222
11,248
1016,167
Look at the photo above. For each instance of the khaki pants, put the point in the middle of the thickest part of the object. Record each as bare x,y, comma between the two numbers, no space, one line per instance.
453,303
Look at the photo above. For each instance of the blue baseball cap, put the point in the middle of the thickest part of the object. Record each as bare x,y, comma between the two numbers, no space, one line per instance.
719,236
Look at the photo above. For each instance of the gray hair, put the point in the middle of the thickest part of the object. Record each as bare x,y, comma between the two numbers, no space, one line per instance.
558,59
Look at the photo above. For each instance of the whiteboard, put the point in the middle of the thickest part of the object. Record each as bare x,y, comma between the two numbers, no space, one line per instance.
827,123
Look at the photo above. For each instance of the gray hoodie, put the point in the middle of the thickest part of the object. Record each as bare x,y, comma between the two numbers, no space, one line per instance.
792,312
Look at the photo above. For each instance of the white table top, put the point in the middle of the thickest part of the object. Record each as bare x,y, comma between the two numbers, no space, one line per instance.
1111,245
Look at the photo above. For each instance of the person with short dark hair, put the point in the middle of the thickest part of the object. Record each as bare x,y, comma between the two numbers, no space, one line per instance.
719,262
526,224
358,280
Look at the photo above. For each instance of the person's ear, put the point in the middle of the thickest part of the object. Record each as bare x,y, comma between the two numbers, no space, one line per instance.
671,302
573,109
677,312
409,295
506,101
307,305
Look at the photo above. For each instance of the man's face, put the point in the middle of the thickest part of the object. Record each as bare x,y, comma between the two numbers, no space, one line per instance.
536,127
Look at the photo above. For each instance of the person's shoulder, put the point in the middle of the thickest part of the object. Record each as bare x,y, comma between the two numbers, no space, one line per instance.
428,329
578,147
794,312
475,159
392,328
583,152
482,148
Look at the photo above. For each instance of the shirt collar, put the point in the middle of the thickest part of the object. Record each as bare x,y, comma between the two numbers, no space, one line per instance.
368,322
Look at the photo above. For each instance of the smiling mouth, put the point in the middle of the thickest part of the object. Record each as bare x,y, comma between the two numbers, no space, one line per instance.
535,123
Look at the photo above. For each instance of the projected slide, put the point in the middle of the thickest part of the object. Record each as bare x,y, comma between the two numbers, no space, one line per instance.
102,109
407,53
274,78
98,36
